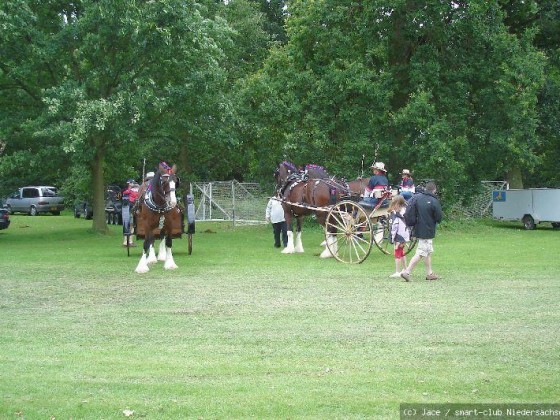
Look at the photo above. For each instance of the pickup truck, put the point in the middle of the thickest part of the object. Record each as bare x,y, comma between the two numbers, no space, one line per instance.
34,200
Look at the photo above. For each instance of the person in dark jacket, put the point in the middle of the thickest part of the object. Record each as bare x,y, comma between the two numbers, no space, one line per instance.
428,215
376,185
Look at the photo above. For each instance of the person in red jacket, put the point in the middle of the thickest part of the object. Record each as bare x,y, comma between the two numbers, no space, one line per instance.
129,197
131,191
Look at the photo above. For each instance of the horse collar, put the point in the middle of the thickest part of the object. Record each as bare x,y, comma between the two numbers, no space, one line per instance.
149,201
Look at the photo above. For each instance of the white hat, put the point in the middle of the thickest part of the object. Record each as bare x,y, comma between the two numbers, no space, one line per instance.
405,172
380,166
150,175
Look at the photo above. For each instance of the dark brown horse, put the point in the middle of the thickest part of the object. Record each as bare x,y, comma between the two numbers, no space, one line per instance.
158,208
288,171
311,193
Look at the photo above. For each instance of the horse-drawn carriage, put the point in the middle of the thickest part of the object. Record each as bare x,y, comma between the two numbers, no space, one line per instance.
159,215
177,227
351,228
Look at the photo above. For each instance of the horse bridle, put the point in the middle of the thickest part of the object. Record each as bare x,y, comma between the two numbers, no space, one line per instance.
167,190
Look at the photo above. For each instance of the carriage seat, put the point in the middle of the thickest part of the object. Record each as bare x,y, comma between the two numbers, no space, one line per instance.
370,205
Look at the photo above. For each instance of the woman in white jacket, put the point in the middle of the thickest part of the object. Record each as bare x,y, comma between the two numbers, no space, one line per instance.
275,215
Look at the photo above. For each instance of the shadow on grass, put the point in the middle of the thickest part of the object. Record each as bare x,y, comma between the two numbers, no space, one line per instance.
519,226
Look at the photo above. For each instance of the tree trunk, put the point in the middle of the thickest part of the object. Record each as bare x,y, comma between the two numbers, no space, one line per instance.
515,178
99,220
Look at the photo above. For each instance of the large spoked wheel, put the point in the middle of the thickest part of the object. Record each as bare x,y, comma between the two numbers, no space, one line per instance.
348,232
382,237
410,245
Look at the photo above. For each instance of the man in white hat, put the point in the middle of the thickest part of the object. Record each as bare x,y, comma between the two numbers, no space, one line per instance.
406,185
377,183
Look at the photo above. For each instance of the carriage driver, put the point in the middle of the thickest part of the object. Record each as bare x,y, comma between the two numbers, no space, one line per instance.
377,183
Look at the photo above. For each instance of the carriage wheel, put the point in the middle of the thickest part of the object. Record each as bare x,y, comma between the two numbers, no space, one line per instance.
351,228
189,239
410,245
382,235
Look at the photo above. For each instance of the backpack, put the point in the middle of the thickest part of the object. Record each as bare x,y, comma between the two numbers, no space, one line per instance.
410,215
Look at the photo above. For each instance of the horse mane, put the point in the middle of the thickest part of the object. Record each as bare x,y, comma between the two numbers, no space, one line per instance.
316,167
290,165
154,181
316,171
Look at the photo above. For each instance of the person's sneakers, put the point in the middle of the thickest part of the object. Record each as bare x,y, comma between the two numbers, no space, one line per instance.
396,275
432,277
405,275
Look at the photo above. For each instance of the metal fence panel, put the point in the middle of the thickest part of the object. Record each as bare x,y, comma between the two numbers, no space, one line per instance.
238,202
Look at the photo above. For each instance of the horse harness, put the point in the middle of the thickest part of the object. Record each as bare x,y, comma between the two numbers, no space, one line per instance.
334,188
151,204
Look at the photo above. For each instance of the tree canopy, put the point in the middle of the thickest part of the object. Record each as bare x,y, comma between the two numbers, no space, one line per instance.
456,91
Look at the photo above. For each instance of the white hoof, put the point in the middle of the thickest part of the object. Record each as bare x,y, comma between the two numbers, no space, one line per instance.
170,265
288,250
290,247
142,266
329,252
142,270
169,262
152,259
326,253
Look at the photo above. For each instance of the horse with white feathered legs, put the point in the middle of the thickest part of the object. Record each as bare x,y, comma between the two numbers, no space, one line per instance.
158,210
311,191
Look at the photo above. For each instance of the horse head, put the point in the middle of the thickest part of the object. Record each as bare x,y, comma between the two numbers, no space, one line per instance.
168,181
283,171
163,185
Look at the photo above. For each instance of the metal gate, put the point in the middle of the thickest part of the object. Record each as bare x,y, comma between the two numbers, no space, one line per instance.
233,201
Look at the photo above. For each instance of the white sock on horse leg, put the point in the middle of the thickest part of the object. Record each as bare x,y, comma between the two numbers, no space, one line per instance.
142,266
169,262
327,251
152,255
298,245
162,254
290,247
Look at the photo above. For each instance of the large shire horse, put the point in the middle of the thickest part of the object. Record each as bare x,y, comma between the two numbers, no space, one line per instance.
307,192
157,210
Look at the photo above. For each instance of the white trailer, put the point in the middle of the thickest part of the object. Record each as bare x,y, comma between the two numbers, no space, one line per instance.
531,206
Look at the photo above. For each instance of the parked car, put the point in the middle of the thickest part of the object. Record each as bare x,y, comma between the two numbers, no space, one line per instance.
4,219
83,208
113,206
34,200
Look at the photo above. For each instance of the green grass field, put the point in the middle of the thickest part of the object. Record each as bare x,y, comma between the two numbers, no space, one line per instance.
241,330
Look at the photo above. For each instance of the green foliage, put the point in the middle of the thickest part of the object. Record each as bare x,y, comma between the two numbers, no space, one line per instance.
443,89
113,75
456,91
